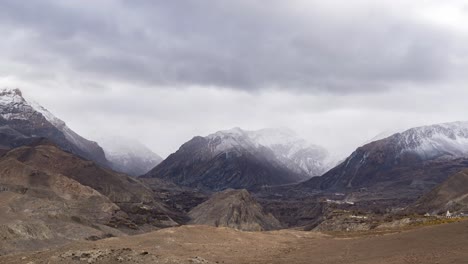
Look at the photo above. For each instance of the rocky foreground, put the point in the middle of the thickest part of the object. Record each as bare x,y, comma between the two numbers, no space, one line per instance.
446,243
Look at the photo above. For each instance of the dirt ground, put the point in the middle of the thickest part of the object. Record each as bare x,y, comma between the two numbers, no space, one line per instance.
441,244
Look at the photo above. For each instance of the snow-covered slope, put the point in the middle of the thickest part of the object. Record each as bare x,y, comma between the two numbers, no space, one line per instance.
448,139
32,120
291,150
421,155
129,156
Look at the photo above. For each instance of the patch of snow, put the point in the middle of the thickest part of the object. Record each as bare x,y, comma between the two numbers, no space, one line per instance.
14,116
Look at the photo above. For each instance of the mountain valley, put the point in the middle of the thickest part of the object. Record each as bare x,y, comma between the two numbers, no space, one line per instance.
59,190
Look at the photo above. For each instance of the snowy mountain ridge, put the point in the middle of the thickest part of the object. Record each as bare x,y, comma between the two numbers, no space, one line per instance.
242,159
291,150
424,155
446,139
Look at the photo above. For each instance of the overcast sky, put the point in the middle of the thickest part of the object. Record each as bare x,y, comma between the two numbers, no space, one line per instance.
336,72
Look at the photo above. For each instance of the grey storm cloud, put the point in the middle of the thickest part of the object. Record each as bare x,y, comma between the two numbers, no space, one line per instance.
162,71
247,45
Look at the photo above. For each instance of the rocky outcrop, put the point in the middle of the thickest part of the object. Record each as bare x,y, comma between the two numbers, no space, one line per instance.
235,209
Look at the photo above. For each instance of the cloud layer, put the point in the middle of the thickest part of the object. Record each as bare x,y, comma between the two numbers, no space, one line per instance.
297,45
191,67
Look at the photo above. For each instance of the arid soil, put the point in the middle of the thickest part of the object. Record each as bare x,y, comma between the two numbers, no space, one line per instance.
446,243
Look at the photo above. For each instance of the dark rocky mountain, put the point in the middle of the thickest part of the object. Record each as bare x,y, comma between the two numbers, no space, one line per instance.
451,195
236,209
46,156
240,159
21,122
413,161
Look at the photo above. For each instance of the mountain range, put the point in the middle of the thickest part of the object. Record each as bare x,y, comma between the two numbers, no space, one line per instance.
411,162
238,158
57,186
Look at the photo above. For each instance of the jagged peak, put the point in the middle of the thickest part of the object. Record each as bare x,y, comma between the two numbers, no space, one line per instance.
13,96
10,96
269,130
267,137
12,91
289,149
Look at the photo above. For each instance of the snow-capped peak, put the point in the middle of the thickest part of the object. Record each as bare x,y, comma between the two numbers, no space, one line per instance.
13,106
226,140
10,96
267,137
447,139
278,137
291,150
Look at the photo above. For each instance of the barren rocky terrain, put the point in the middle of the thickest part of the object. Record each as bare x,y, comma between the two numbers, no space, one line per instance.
446,243
236,209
